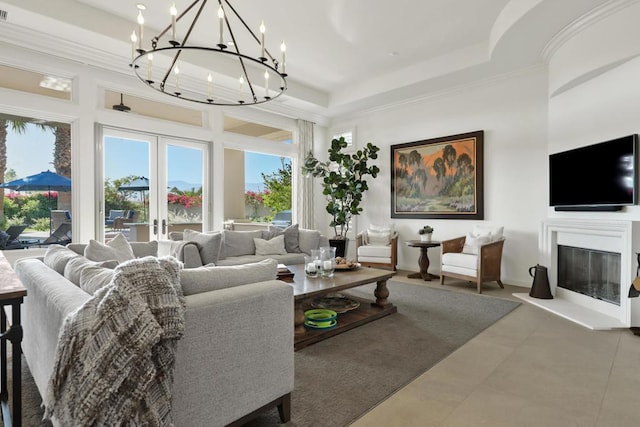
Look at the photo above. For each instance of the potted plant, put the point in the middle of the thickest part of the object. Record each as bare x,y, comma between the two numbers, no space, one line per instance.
425,233
343,184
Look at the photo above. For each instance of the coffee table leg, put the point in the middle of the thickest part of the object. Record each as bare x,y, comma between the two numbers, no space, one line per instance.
381,293
298,318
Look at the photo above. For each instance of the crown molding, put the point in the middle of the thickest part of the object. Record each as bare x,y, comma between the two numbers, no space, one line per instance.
595,15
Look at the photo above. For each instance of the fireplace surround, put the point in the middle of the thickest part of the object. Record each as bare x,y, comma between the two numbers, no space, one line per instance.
601,236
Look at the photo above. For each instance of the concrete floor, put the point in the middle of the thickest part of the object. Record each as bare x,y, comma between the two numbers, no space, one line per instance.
531,368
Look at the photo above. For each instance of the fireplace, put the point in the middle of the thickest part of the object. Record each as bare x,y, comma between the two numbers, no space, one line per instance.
590,272
591,264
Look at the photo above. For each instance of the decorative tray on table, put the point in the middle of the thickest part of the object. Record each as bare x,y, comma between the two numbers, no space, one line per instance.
336,302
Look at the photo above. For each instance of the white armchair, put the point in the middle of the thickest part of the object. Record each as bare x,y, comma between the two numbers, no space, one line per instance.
377,247
476,257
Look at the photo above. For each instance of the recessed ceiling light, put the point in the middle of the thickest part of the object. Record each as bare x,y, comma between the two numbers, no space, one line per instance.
141,6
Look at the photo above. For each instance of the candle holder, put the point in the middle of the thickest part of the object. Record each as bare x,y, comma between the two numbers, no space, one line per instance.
328,257
310,267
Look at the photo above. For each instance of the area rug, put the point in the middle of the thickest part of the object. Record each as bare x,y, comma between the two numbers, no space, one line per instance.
340,379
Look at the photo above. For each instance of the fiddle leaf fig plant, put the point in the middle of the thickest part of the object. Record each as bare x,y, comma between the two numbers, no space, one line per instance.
343,181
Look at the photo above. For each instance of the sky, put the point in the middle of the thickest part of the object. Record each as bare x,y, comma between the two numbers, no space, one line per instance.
32,152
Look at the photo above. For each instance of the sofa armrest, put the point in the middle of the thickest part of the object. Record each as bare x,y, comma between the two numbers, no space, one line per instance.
187,252
236,354
453,245
490,258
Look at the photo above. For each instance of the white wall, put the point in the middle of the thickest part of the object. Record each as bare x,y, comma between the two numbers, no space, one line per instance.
513,113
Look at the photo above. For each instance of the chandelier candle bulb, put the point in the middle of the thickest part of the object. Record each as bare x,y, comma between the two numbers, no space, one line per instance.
140,29
150,67
173,11
283,48
134,40
262,30
221,16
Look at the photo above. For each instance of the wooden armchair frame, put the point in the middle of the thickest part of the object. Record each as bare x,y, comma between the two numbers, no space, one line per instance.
489,261
394,253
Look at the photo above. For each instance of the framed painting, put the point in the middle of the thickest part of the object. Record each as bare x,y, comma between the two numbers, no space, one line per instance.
438,178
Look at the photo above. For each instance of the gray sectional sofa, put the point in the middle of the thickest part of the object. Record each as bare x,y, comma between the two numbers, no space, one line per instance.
228,366
224,248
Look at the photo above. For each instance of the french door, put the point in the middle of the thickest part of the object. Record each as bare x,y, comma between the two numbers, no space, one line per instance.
154,184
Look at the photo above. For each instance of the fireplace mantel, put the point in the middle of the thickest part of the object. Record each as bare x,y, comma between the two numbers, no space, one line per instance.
617,236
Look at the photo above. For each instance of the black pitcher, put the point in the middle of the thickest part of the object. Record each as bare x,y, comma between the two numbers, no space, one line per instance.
540,288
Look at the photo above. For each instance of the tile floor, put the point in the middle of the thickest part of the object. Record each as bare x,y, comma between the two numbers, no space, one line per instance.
531,368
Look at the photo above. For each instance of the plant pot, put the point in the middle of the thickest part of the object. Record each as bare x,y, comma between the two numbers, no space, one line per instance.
340,245
425,237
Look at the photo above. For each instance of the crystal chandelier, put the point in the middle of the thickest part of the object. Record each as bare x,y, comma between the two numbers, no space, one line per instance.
157,60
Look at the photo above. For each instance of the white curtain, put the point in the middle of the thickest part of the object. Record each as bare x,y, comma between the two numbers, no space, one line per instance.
305,195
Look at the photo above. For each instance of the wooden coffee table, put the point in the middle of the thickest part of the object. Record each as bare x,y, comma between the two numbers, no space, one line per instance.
305,290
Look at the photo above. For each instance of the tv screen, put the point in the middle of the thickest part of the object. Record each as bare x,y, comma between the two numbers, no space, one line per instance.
597,175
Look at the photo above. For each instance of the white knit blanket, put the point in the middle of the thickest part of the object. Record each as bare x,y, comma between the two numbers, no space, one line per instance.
116,353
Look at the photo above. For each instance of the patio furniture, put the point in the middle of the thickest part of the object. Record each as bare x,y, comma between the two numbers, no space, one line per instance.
61,236
59,216
129,216
10,241
113,214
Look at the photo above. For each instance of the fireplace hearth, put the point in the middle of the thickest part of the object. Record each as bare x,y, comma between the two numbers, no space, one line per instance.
592,289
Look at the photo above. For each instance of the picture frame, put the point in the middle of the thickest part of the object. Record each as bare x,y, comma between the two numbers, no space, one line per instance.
438,178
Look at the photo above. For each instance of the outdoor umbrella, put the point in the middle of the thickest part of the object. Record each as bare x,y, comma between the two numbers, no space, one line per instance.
140,184
43,181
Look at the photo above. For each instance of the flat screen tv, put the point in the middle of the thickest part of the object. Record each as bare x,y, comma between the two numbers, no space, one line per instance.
596,177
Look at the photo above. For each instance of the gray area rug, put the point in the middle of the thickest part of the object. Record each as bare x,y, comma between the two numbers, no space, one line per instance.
340,379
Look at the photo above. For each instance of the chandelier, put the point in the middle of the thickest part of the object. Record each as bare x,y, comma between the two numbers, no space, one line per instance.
157,60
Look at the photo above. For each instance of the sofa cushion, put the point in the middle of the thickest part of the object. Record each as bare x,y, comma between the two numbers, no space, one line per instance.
209,244
454,259
472,243
209,278
291,236
249,259
378,238
494,233
75,266
56,257
374,251
118,248
176,235
273,246
238,243
308,240
94,277
143,249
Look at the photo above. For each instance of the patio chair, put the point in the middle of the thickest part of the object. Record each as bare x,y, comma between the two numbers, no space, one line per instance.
129,216
10,241
113,214
61,236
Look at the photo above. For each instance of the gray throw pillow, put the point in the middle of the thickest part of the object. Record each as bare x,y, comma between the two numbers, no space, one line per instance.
274,246
117,248
208,244
309,239
238,243
291,238
93,278
75,266
209,278
57,256
176,235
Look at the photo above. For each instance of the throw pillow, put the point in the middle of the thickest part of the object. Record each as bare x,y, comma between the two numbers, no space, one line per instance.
378,238
75,266
238,243
494,233
57,256
472,243
93,278
308,240
208,244
291,237
118,248
209,278
273,246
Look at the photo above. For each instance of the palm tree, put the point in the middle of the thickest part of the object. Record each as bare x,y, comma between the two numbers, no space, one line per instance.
18,126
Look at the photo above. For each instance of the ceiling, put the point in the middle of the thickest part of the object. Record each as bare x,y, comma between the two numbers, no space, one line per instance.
342,56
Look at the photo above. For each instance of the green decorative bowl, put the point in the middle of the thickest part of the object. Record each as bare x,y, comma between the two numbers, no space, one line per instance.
321,317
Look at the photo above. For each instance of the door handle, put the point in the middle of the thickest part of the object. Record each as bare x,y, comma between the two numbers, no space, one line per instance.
164,226
155,226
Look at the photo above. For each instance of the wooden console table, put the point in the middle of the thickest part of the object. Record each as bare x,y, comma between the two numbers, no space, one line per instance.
12,293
